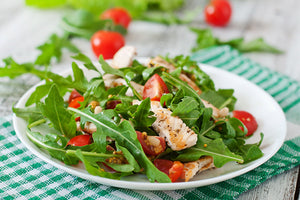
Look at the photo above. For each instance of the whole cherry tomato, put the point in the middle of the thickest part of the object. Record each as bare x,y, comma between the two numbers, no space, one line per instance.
247,119
119,16
218,12
154,88
80,140
107,43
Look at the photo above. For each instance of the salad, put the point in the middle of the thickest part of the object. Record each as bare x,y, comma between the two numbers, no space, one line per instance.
163,118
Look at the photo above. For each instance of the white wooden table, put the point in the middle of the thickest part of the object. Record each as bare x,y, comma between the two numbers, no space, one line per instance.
278,22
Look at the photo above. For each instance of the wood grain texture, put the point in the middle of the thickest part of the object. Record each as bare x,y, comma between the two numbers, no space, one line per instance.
22,29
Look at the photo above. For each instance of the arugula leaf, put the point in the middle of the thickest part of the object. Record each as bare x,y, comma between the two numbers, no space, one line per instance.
39,93
93,168
206,39
192,69
30,114
84,24
109,70
87,62
125,136
54,110
80,82
12,69
214,148
249,152
54,144
188,110
132,166
175,82
53,49
143,118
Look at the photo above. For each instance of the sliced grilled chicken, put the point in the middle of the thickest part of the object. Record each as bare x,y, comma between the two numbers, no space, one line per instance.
124,57
176,133
190,169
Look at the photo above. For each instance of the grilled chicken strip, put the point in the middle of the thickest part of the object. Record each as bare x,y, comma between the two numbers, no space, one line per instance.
176,133
190,169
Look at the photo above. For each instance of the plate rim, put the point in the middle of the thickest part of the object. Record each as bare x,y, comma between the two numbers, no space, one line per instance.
147,185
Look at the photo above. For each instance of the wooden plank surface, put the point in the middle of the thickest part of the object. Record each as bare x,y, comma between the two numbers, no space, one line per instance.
278,22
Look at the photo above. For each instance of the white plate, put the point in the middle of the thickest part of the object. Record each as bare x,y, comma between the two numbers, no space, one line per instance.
250,97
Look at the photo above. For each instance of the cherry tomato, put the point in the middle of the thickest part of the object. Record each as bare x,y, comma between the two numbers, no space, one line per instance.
73,95
247,119
172,169
154,88
163,165
119,16
106,43
218,12
75,102
152,145
80,140
175,171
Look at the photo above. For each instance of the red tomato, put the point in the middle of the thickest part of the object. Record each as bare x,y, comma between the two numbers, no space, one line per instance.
73,95
154,88
172,169
175,171
107,43
163,165
152,145
119,16
218,12
75,102
80,140
247,119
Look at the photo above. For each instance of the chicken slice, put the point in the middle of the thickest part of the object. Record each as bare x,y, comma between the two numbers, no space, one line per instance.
124,57
190,169
176,133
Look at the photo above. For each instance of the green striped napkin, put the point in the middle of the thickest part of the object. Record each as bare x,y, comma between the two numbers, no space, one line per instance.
25,176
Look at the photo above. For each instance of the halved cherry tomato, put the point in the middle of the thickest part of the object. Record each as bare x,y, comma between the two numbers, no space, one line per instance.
163,165
175,171
107,43
152,145
80,140
247,119
218,12
154,88
73,95
119,16
75,102
172,169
